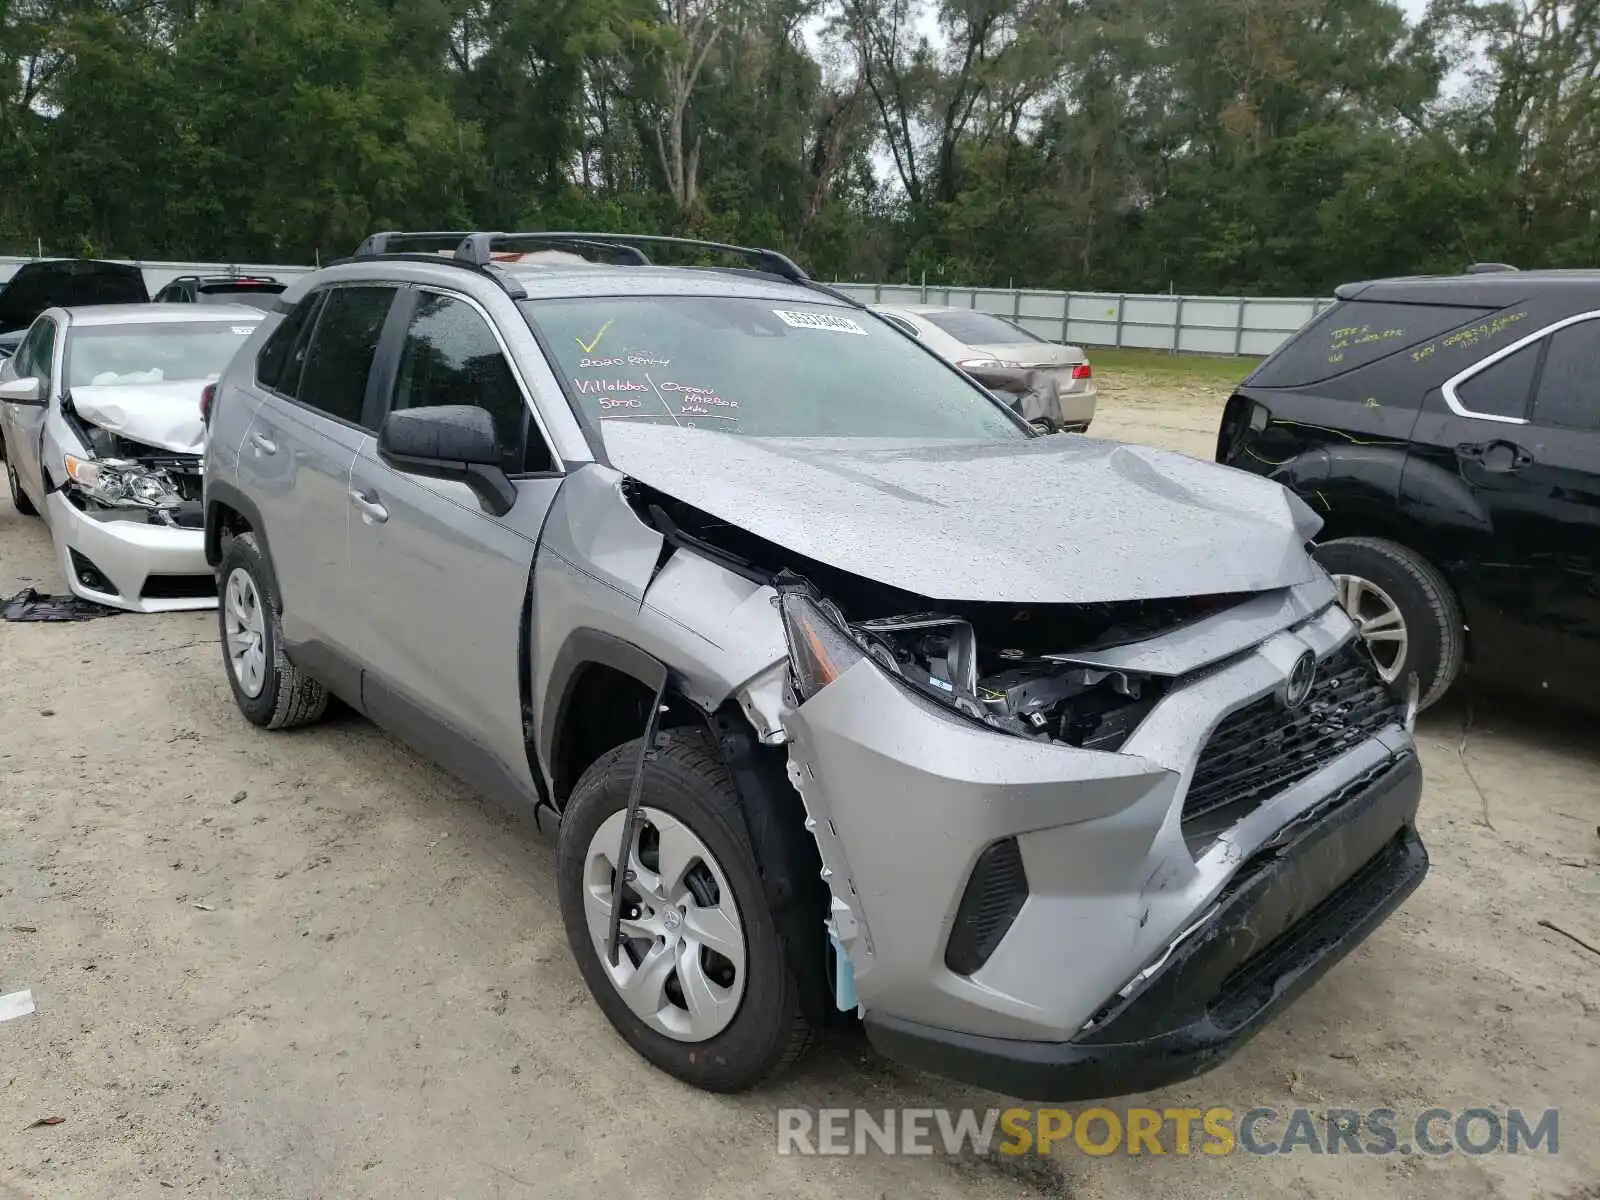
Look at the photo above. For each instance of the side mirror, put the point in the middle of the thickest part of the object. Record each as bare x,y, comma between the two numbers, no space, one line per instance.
23,391
452,441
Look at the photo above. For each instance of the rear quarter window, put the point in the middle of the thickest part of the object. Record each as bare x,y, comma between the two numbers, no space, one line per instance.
1354,334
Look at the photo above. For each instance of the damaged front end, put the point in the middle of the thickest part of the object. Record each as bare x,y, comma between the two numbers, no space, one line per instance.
129,512
129,481
1006,667
1062,840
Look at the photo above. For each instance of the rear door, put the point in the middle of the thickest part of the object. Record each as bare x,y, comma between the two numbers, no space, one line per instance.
1518,432
440,583
316,375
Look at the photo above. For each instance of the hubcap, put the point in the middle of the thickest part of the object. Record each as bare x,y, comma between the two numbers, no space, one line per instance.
245,631
1378,619
681,962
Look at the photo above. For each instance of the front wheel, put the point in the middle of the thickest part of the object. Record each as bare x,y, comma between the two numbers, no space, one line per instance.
18,496
700,987
1403,608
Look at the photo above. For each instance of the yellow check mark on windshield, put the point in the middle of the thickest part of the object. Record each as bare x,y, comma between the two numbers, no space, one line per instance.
588,347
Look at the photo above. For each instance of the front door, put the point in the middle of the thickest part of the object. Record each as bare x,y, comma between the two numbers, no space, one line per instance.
36,357
441,583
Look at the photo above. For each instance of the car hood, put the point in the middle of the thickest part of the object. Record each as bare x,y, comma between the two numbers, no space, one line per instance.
1060,519
164,415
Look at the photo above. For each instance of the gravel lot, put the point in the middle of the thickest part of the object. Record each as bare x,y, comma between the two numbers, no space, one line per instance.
311,965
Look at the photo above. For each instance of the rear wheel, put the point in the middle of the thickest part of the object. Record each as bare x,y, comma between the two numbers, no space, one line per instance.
269,689
1404,609
701,987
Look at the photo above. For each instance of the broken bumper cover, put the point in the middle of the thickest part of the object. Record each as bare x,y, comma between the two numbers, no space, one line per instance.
150,568
1286,918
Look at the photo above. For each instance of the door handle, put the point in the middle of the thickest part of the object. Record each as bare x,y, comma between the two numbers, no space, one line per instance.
263,443
372,510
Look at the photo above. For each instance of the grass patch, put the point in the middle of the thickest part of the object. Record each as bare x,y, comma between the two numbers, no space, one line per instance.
1207,369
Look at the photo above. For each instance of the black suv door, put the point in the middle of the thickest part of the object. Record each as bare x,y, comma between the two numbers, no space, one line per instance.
1520,431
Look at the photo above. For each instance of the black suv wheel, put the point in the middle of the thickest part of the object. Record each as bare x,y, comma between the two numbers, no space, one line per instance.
1404,609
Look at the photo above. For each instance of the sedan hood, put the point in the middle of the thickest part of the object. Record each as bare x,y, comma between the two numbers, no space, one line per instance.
164,415
1061,519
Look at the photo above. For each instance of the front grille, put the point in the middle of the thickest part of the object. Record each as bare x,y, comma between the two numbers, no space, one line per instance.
1264,748
179,587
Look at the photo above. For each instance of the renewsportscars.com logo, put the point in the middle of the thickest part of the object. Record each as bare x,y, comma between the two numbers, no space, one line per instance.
1178,1131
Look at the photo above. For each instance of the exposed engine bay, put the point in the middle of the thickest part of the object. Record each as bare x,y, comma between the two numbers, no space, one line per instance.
1006,666
131,480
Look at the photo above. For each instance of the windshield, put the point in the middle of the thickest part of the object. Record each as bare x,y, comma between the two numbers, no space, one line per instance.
980,329
760,368
98,355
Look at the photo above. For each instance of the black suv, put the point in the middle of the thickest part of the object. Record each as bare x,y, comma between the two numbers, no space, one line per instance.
254,290
1447,431
64,283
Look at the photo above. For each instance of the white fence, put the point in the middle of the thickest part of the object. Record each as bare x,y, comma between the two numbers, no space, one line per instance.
1183,324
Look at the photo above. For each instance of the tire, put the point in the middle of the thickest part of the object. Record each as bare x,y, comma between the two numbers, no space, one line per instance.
1435,646
685,782
285,696
18,496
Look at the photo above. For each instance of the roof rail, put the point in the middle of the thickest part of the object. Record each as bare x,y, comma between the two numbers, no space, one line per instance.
1490,268
389,245
479,247
391,242
476,251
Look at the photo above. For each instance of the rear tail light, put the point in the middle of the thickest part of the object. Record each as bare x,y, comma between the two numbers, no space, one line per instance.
1083,371
206,398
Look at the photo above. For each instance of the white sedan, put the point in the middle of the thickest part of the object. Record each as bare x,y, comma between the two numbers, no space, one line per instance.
978,340
103,435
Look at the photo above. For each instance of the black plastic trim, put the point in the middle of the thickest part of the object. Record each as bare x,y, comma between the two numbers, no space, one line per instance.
585,647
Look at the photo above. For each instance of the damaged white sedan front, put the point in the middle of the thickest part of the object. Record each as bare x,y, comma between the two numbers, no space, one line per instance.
104,436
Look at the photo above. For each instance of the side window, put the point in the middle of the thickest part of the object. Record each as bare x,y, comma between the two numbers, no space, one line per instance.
37,354
278,365
451,357
343,345
1569,385
1502,389
22,360
1356,333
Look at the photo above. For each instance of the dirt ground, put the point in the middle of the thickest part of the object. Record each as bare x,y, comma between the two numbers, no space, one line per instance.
311,965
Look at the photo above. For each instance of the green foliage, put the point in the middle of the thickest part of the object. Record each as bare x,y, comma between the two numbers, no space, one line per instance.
1262,146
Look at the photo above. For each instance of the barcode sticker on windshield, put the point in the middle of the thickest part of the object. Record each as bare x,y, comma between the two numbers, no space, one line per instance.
244,330
812,320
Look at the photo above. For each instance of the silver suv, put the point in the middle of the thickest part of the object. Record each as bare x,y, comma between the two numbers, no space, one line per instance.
1062,794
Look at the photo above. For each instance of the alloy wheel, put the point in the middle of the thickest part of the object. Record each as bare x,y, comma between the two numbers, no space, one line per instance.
1378,619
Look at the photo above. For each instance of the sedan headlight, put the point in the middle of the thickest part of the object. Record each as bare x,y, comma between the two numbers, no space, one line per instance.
121,483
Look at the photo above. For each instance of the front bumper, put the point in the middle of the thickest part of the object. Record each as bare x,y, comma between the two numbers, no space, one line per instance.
906,801
150,568
1289,915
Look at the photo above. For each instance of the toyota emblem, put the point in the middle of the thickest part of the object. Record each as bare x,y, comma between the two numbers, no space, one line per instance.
1302,678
